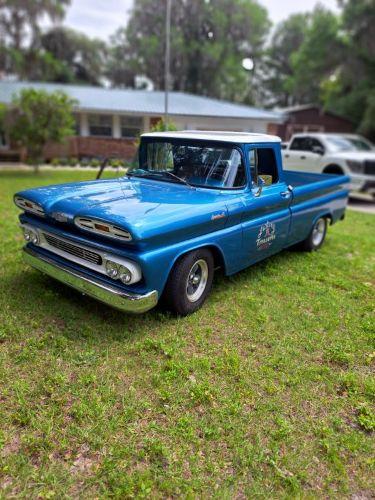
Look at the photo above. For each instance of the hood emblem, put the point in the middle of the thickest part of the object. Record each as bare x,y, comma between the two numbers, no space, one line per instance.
59,216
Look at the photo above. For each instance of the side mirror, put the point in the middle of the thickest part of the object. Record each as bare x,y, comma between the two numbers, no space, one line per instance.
261,183
318,150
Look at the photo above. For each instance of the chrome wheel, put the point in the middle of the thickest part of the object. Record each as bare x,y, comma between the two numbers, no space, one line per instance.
197,280
318,232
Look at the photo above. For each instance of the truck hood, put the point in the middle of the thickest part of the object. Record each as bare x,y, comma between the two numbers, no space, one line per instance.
145,207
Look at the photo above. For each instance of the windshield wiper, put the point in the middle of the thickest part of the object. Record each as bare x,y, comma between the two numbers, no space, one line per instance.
150,175
180,179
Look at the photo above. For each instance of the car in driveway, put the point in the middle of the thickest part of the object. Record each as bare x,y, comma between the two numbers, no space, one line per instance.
196,201
339,154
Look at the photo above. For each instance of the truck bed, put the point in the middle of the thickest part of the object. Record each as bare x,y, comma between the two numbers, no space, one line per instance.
296,178
315,195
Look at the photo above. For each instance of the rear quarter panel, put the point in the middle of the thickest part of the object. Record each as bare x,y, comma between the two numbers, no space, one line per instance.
314,196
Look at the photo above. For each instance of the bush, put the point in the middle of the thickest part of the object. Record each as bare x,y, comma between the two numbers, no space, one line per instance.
73,161
84,162
116,163
55,162
94,162
64,162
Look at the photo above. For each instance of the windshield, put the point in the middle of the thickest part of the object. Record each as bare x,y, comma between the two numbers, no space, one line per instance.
337,143
359,144
190,162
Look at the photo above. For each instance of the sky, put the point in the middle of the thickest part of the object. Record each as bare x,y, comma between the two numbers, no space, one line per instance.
100,19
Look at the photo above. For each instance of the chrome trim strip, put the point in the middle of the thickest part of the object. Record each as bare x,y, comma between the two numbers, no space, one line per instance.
110,295
90,224
28,205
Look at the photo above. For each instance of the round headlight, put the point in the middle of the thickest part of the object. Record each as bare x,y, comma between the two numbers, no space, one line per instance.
111,268
30,235
34,238
125,274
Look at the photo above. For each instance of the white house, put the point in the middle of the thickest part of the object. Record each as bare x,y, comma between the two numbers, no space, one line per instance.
108,120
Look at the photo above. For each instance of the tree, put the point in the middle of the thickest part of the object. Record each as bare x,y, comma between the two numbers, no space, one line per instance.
75,57
19,17
36,117
209,40
351,91
20,30
277,65
317,58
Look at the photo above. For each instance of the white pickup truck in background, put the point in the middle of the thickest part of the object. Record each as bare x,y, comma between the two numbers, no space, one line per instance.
347,154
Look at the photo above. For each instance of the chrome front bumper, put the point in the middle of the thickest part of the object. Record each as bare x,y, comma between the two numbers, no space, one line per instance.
111,295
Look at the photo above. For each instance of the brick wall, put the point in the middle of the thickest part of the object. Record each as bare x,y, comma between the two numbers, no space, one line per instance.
311,119
92,147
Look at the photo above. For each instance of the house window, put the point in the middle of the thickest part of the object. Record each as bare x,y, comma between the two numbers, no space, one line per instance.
100,125
77,124
131,126
263,164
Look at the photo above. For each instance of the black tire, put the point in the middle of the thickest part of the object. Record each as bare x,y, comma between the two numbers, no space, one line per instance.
334,170
316,237
180,294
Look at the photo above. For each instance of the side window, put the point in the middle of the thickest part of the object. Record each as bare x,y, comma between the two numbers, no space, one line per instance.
263,164
316,146
299,144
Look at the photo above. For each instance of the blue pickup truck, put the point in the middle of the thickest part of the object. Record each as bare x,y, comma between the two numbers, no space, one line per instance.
195,202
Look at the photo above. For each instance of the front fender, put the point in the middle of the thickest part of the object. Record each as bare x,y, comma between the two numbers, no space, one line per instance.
157,264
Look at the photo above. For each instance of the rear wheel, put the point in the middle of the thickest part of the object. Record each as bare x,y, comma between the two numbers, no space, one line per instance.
189,282
316,237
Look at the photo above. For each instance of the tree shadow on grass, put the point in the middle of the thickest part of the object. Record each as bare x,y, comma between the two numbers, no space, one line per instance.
80,317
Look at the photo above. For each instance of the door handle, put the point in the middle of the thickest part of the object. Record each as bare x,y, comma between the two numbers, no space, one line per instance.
303,157
288,193
285,194
286,156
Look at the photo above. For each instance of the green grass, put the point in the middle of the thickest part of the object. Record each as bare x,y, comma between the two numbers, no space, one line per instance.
268,391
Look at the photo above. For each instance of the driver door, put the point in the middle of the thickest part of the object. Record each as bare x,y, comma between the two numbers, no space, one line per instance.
266,214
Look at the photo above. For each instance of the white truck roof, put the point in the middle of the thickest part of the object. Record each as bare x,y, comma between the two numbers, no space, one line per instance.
208,135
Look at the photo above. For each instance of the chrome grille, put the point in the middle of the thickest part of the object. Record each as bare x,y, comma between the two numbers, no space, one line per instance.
75,250
369,167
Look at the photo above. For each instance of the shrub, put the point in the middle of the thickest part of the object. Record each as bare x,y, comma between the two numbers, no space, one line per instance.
64,162
84,162
73,161
94,162
116,163
55,162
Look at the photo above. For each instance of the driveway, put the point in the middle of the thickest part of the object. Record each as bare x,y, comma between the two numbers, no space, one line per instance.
362,205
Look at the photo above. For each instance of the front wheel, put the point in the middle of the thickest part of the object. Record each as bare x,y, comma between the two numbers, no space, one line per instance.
190,282
316,237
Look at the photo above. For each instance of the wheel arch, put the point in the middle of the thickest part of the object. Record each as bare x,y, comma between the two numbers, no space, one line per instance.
326,215
217,253
333,168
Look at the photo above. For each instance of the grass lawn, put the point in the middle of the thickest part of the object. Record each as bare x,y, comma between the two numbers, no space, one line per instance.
268,391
